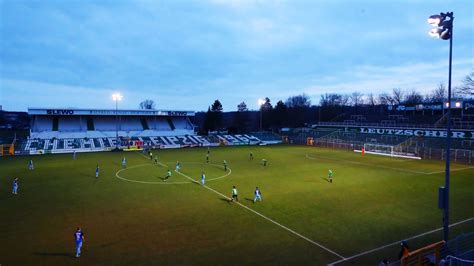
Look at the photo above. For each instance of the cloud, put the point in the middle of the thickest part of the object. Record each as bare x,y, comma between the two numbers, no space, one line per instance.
423,77
189,53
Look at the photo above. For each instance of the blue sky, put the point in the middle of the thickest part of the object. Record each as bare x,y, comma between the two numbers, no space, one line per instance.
185,54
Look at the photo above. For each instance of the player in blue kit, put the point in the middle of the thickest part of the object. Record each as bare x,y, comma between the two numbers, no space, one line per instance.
178,166
15,186
30,165
258,195
97,171
203,178
79,237
124,163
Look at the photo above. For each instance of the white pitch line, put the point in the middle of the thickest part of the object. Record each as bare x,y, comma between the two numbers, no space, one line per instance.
144,182
368,164
117,174
387,167
451,170
398,242
266,218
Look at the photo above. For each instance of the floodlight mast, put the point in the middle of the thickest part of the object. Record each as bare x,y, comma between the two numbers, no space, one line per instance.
116,97
444,30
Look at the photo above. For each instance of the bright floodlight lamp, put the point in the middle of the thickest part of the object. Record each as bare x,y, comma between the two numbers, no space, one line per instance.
435,20
458,104
260,102
435,32
117,97
443,27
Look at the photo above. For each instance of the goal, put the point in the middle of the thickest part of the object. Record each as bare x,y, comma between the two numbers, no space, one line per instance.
386,150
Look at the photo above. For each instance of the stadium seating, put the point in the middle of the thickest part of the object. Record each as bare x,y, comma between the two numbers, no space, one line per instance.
82,144
158,123
182,123
42,123
72,124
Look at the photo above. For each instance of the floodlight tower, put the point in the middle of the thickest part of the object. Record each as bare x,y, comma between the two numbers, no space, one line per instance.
443,24
116,97
261,102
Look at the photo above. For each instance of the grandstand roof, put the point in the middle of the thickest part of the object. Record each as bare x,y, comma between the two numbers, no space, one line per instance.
107,112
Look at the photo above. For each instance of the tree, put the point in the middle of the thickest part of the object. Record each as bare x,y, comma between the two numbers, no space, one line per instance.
438,95
333,99
386,99
280,113
208,121
216,106
301,100
213,118
345,100
147,105
468,85
356,98
397,96
266,106
413,97
371,100
242,107
241,118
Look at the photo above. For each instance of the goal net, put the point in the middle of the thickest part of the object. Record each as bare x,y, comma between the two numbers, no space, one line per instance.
386,150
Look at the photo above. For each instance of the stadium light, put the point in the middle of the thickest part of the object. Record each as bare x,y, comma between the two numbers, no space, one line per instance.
116,97
444,30
434,20
261,102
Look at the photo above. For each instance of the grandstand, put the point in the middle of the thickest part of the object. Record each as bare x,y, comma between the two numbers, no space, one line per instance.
104,123
88,130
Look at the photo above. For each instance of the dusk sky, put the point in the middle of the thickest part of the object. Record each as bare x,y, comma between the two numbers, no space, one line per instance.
186,54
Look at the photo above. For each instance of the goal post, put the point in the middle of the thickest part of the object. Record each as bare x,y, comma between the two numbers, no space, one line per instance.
386,150
378,148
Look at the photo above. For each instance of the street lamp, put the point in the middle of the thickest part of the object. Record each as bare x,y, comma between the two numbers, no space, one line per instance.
443,24
116,97
261,102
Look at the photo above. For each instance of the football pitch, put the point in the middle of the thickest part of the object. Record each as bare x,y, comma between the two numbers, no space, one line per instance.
132,216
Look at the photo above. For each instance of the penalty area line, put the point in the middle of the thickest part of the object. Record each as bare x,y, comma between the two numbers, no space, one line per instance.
266,218
367,164
398,242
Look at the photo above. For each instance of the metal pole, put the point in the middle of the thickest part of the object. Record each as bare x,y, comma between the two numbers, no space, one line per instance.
261,111
116,125
448,138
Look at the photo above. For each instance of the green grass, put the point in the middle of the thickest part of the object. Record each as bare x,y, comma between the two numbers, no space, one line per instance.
373,201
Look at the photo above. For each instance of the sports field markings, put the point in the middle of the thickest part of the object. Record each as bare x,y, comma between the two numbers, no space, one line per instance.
368,164
257,213
117,174
386,167
398,242
265,217
451,170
